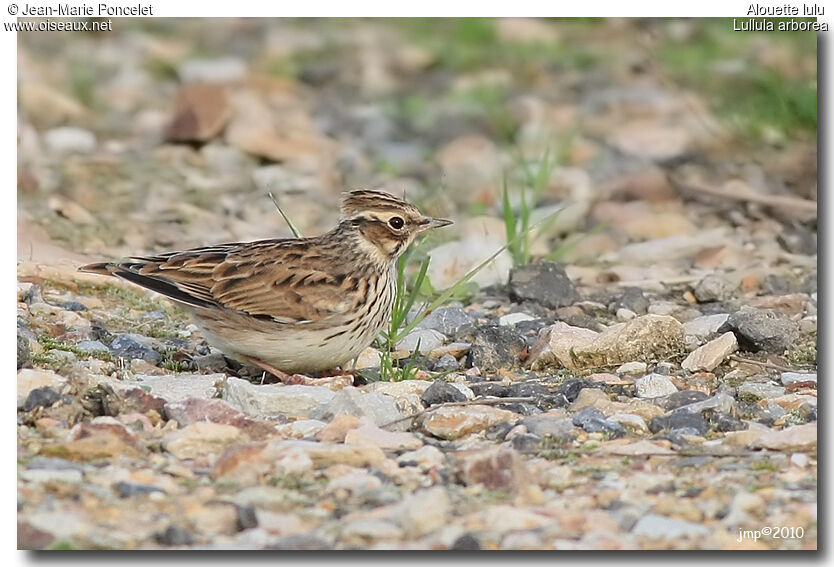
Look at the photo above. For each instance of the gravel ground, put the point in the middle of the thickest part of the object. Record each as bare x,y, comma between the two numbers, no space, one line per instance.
652,385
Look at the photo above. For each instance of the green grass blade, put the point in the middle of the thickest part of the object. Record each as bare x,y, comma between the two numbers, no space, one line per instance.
458,285
509,222
293,228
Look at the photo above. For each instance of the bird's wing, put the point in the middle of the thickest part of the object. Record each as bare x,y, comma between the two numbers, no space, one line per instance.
277,279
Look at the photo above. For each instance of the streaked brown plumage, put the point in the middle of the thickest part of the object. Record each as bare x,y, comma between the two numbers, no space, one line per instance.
291,305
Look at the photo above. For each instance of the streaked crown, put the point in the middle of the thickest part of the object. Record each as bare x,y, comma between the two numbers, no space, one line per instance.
357,202
387,223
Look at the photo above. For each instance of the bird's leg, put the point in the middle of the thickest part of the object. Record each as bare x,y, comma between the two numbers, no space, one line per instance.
334,381
280,374
332,372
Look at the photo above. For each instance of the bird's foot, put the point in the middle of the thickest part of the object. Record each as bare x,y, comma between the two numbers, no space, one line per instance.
334,379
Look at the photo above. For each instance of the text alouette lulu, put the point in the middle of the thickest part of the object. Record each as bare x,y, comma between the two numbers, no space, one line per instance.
762,12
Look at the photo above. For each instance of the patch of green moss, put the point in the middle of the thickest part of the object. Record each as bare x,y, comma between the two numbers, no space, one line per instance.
765,465
62,545
49,343
803,353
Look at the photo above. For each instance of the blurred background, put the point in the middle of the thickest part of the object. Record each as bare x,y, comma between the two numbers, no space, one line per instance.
682,134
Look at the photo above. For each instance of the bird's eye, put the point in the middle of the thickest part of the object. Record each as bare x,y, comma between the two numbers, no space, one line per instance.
396,222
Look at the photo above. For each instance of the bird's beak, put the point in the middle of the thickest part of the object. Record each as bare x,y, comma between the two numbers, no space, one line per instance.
428,223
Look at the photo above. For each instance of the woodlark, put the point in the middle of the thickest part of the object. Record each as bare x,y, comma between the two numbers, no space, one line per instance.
291,305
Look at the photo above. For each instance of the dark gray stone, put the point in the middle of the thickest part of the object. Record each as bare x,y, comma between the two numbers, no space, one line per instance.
441,392
495,389
495,347
532,328
24,353
522,408
809,284
466,542
174,536
526,442
33,295
713,288
92,346
450,321
246,518
570,388
130,346
213,362
74,306
761,329
631,298
723,422
544,282
797,239
593,421
42,397
445,363
498,431
128,489
679,420
528,390
680,399
807,412
748,410
679,436
778,285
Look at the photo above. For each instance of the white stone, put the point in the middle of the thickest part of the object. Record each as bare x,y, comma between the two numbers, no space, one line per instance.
630,421
699,329
180,387
426,457
272,400
761,390
70,140
722,403
710,355
635,367
425,511
654,386
368,358
428,340
555,343
301,428
791,377
50,475
200,438
512,319
353,401
212,70
369,434
800,460
655,526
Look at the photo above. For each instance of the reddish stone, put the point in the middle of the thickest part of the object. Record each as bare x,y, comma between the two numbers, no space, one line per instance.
494,468
30,537
134,400
195,410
